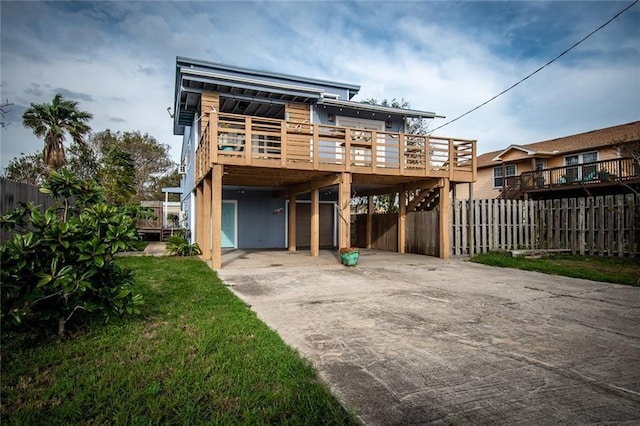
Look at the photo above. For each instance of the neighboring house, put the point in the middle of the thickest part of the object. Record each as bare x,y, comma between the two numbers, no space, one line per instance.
272,160
591,163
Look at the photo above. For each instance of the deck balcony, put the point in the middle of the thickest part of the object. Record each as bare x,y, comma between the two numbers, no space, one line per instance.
587,178
247,141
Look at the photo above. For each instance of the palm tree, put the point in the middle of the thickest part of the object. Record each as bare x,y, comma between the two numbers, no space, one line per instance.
51,122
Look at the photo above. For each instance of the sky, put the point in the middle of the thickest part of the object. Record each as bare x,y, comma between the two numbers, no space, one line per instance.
117,59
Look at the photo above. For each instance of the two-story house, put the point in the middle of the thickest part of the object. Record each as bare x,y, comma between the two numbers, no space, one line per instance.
591,163
273,160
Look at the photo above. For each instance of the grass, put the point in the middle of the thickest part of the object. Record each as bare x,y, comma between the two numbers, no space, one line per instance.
197,355
605,269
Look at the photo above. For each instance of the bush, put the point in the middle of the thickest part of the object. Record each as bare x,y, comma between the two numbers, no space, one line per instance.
59,265
178,245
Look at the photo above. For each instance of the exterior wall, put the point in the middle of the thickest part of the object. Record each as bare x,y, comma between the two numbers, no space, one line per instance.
261,218
208,100
321,115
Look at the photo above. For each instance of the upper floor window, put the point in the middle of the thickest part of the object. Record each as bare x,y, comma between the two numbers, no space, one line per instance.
498,177
577,172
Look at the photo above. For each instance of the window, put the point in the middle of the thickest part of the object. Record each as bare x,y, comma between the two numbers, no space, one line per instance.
541,164
578,172
509,169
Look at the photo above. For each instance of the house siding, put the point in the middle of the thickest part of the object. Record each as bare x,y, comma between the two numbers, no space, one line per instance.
261,219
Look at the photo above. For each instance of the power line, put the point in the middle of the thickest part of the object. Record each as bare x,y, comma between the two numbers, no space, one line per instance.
539,69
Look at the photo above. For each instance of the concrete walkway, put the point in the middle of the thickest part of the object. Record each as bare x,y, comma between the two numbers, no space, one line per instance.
407,339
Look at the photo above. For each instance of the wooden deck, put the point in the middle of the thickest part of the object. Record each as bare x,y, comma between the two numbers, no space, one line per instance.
590,178
287,152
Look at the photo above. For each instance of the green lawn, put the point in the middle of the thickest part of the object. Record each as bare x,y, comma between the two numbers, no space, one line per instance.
196,355
605,269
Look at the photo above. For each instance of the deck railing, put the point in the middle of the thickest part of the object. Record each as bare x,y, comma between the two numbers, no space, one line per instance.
254,141
615,170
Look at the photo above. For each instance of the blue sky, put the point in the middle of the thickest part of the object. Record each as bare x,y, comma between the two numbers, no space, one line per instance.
118,59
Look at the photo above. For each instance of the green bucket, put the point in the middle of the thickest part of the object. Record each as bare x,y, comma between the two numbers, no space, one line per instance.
350,259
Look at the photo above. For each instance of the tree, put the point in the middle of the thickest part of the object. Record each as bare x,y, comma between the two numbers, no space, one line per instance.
150,158
82,161
51,122
4,109
415,126
168,180
28,168
59,266
31,168
118,176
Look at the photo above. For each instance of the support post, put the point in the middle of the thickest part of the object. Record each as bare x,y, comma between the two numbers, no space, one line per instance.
470,219
291,225
216,216
199,200
315,222
206,216
344,206
402,220
445,226
369,221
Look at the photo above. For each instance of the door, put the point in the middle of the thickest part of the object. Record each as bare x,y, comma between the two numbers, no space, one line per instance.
303,224
229,220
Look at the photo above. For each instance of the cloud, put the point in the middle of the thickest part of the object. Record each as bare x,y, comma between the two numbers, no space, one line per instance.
69,94
118,59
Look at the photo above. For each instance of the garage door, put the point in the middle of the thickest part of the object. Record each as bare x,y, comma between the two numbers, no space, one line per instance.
303,224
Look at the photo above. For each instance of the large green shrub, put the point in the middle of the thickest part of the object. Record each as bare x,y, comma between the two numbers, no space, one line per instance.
59,265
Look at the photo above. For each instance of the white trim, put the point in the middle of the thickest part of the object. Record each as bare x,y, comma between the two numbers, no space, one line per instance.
235,221
493,177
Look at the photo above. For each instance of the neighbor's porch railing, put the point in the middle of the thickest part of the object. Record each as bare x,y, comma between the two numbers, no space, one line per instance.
615,170
255,141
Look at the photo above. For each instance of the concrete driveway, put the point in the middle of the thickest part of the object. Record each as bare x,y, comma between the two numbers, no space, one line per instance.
408,339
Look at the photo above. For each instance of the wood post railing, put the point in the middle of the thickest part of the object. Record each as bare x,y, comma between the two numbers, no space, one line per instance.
265,142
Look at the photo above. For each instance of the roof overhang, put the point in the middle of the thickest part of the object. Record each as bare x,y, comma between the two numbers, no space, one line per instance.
528,151
193,77
361,106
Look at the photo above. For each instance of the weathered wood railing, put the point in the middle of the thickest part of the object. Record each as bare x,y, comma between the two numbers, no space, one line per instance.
615,170
254,141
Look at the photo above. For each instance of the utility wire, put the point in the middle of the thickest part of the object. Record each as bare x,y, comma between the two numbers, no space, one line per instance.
539,69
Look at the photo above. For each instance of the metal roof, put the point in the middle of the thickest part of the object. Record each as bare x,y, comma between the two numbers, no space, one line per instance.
252,92
410,113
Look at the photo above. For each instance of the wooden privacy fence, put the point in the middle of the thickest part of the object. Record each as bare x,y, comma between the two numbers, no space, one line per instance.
605,226
13,193
421,232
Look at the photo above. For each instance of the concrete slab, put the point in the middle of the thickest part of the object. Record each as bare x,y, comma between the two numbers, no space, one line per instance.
408,339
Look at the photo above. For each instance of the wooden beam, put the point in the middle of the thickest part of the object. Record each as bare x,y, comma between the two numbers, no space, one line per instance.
206,217
369,221
344,211
421,184
199,213
247,141
470,219
402,220
291,245
303,188
216,216
315,222
445,226
420,197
